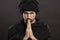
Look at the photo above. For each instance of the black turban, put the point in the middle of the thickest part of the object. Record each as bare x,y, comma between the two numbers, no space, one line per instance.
28,5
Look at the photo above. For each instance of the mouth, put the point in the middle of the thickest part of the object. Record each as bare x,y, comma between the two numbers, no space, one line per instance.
29,19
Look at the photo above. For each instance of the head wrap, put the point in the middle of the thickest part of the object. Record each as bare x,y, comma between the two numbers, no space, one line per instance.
28,5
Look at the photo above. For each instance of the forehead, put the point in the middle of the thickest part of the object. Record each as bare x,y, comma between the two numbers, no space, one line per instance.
29,11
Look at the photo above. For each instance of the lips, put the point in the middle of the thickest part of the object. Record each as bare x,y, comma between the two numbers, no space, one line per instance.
29,19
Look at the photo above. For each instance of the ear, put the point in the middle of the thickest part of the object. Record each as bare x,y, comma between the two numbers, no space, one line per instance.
23,14
35,14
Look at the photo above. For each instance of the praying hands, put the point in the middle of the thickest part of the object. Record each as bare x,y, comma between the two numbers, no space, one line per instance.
29,33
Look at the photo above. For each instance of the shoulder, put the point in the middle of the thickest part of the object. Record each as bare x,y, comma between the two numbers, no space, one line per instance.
43,24
14,26
11,32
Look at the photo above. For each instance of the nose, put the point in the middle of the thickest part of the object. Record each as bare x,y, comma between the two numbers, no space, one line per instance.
28,15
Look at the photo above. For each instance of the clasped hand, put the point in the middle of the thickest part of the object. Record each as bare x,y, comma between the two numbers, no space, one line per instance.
29,33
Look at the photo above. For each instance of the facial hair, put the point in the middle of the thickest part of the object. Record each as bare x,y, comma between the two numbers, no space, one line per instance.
29,19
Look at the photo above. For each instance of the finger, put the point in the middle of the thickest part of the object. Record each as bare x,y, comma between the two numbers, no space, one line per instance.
32,36
25,38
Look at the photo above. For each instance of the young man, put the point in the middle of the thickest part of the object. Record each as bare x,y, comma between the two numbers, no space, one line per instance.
30,27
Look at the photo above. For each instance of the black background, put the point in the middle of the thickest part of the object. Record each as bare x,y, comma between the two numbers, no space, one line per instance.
49,13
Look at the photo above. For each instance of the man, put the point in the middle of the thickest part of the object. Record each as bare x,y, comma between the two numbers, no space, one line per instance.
30,27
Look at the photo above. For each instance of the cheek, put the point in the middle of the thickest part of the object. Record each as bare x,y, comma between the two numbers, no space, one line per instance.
25,16
33,16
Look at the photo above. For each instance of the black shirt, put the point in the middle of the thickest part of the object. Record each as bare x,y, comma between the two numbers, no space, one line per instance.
40,31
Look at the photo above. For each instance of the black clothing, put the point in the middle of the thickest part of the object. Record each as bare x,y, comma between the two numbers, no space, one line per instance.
40,31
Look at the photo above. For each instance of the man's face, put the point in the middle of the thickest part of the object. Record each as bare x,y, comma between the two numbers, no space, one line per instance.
29,15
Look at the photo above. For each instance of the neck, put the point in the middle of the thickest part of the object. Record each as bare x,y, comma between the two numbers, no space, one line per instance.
32,21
